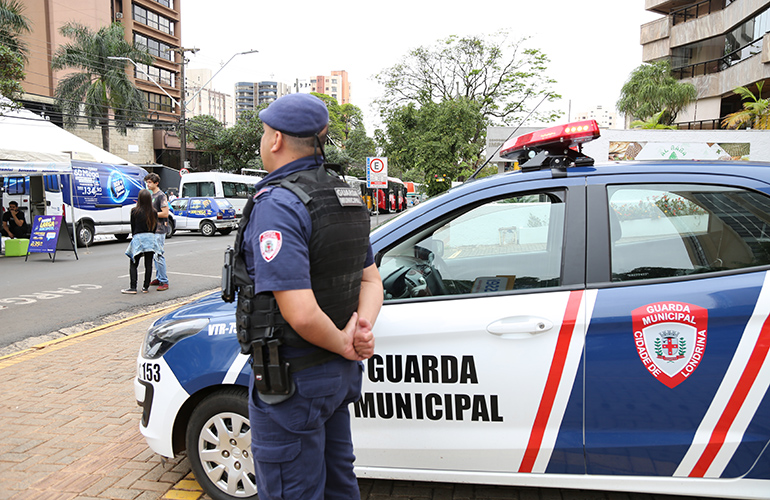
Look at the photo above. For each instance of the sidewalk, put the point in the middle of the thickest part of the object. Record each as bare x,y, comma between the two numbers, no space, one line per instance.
70,423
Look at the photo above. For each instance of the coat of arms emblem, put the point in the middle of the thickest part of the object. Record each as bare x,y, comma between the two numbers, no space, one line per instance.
670,338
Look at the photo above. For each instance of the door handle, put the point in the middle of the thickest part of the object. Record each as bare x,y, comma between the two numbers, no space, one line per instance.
520,327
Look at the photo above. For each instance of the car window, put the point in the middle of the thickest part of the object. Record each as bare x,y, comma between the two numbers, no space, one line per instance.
200,204
198,189
677,230
178,205
502,245
223,203
237,189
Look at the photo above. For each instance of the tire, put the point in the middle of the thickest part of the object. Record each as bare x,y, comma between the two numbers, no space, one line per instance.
85,233
208,228
226,231
172,229
219,446
121,236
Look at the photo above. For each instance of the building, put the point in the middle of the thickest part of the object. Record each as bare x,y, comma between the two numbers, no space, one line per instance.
717,45
335,85
606,118
153,23
202,99
249,95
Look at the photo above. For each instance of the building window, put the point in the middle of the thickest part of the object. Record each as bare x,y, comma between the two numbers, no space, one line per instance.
158,74
155,47
157,102
166,3
153,20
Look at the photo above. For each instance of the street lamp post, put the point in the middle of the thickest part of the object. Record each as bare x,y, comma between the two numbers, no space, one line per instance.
183,104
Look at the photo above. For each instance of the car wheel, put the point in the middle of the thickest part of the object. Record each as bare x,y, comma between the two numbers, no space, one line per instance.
219,446
171,229
226,231
208,229
85,232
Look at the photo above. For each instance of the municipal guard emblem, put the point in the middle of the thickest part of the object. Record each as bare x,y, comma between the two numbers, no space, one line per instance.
670,338
270,244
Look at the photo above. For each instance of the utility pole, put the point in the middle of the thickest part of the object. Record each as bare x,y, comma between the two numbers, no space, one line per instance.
183,109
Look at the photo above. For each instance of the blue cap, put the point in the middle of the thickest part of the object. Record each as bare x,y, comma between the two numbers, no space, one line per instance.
300,115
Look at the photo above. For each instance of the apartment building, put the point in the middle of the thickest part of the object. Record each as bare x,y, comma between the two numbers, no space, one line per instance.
249,95
717,45
202,99
606,118
155,24
335,85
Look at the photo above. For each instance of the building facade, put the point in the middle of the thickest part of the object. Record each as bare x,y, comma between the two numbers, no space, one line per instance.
155,24
717,45
335,85
202,99
606,118
249,95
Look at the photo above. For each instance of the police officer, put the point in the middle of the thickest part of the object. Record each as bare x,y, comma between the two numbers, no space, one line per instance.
312,254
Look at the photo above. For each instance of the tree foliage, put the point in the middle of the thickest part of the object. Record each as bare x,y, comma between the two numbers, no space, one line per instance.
13,24
438,102
232,148
650,89
101,85
654,122
11,73
755,112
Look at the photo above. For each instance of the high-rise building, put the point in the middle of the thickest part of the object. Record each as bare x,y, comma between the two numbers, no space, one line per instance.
717,45
155,24
335,85
249,95
204,100
606,118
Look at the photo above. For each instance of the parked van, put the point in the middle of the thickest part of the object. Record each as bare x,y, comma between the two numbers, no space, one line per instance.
233,187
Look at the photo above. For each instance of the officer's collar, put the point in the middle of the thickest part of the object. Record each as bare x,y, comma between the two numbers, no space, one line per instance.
305,163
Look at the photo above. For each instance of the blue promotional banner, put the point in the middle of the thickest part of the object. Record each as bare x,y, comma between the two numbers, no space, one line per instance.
45,234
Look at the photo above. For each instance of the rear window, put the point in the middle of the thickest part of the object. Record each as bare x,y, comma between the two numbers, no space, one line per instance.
192,189
223,203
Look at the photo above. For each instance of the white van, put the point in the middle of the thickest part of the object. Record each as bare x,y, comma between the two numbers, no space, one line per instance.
235,188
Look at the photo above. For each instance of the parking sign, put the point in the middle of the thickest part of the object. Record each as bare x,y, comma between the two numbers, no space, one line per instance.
376,172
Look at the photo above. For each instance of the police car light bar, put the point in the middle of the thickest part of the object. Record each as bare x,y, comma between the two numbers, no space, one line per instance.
553,142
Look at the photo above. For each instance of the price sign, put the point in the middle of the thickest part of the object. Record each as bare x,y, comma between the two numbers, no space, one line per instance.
377,172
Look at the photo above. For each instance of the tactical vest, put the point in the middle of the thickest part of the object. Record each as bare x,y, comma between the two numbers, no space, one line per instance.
338,247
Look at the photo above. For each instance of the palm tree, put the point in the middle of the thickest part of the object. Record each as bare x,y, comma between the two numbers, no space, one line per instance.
656,121
651,89
13,24
102,86
755,112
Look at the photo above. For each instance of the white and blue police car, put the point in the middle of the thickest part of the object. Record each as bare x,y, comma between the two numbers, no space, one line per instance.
564,325
205,214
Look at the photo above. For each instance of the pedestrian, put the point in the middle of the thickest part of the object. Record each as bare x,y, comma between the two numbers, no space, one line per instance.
312,297
160,204
143,243
14,224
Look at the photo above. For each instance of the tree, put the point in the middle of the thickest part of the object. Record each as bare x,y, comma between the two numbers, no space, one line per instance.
465,85
11,73
651,89
653,122
13,24
102,85
755,112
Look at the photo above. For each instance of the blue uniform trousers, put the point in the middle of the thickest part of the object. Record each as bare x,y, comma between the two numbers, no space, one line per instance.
302,447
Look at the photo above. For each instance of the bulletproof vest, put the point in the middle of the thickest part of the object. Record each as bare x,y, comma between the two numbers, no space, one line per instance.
338,247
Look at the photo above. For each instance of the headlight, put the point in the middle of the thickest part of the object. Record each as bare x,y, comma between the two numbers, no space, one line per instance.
161,337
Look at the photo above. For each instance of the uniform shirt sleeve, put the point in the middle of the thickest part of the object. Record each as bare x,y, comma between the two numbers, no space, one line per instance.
276,242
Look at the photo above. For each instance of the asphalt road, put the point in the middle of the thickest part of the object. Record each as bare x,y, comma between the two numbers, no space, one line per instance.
41,299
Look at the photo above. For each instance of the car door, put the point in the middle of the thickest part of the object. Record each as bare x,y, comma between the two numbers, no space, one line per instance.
179,207
481,333
676,353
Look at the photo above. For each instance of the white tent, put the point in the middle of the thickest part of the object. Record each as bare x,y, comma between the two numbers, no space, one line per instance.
26,136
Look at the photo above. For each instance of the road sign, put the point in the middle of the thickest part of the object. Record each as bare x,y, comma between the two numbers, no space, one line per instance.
183,171
377,172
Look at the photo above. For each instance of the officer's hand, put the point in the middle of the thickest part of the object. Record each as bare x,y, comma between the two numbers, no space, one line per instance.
349,333
363,340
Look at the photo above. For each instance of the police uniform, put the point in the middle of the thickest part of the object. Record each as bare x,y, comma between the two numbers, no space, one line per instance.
302,446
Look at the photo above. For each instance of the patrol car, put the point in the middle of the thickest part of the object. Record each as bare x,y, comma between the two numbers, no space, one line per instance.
207,215
565,325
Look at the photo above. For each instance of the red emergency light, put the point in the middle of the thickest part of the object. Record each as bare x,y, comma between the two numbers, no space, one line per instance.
562,135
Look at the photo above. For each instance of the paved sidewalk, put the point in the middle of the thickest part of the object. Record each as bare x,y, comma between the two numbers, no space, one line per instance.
70,423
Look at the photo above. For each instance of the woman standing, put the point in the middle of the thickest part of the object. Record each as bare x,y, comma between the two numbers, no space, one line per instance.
144,220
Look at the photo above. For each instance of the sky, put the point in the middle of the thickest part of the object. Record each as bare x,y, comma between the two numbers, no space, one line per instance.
593,45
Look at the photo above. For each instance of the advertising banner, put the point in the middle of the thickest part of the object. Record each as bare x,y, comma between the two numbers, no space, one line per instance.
50,233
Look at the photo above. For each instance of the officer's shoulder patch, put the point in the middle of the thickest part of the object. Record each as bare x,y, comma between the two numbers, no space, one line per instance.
266,189
348,197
